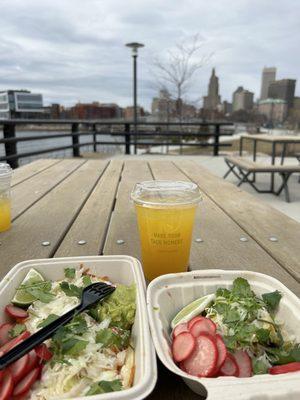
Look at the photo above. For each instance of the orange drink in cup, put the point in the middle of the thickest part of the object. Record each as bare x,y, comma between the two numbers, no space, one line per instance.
5,200
165,213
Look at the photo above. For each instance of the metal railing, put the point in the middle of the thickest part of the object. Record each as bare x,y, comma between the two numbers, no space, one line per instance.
168,133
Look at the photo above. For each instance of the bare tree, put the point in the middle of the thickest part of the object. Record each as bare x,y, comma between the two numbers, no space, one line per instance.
176,72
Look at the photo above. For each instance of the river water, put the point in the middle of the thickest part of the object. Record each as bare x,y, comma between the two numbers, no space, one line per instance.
30,146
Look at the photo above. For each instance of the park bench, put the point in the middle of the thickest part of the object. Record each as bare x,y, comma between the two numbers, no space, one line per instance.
242,168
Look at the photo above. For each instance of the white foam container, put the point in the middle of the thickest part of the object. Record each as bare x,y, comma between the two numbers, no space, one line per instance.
168,294
121,269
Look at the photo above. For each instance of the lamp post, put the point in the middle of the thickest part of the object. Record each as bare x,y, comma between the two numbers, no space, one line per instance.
135,46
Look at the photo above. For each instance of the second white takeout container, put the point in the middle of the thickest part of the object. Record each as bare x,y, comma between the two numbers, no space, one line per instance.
168,294
120,269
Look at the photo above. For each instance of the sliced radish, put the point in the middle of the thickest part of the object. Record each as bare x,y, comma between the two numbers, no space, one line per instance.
202,362
18,369
179,329
7,386
15,312
43,352
183,346
4,333
204,325
13,342
192,321
222,352
22,396
32,361
229,367
25,384
284,369
244,363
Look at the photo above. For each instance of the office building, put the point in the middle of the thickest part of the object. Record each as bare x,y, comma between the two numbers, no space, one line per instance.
242,99
275,110
283,89
94,110
21,104
163,107
226,107
212,100
268,76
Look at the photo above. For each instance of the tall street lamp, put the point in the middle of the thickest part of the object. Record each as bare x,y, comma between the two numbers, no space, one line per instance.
135,46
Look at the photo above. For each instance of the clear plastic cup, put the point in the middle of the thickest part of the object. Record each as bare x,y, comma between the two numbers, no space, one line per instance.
5,196
166,214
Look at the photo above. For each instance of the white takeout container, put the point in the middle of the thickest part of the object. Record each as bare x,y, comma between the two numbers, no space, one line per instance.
119,269
168,294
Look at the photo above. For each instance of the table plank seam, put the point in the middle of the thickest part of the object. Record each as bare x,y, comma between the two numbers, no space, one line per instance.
50,189
261,244
36,173
67,228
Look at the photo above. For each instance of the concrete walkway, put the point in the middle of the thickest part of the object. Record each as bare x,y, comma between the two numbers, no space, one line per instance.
218,167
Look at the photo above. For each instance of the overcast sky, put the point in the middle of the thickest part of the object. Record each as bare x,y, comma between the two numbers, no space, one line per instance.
73,50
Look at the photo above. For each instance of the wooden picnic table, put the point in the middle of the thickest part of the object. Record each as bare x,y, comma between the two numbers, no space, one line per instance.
274,141
63,202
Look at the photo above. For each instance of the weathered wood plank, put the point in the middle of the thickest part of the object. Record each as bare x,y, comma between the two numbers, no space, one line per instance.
28,170
49,219
92,222
255,217
123,223
34,188
221,246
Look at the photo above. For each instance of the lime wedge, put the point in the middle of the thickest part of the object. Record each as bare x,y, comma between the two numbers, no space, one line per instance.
191,310
23,299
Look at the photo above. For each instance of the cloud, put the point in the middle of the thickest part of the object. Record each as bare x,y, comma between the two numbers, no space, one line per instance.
74,50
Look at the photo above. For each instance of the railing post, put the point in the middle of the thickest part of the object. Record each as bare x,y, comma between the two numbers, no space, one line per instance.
75,140
94,138
217,136
127,138
9,131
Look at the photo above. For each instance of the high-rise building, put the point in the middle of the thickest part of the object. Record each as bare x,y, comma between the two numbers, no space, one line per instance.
212,100
283,89
268,76
242,99
20,104
275,110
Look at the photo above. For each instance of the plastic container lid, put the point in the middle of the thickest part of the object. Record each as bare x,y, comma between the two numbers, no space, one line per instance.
165,193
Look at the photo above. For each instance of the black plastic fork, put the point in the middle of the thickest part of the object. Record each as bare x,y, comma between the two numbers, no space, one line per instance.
91,294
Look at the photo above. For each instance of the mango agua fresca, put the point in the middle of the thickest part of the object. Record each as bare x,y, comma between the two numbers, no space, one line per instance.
5,214
165,214
5,200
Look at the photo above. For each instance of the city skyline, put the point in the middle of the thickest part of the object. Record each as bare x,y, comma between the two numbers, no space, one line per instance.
59,50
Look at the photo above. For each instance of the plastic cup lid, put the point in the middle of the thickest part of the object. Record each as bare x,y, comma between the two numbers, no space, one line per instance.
166,193
5,170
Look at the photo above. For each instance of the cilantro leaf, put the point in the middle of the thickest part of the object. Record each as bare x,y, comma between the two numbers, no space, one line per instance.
105,387
39,290
86,280
259,367
241,288
48,320
70,289
231,315
113,337
77,326
279,356
70,273
73,346
263,336
17,330
222,292
272,300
